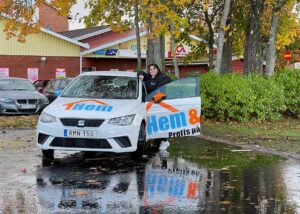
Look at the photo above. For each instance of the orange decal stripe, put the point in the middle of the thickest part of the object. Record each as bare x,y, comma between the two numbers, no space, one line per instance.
149,105
167,106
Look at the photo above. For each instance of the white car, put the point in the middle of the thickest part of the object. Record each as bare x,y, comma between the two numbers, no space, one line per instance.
111,112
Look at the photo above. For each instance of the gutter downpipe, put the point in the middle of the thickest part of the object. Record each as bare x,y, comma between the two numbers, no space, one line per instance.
80,58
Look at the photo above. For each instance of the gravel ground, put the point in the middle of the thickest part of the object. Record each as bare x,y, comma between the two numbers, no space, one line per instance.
19,159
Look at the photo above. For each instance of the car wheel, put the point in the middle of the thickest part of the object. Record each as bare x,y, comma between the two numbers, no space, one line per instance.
48,154
89,155
141,144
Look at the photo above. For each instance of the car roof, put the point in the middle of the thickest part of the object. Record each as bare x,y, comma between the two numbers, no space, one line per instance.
110,73
65,78
14,78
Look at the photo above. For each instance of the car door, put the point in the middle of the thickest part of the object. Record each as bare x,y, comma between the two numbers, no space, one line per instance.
50,89
174,109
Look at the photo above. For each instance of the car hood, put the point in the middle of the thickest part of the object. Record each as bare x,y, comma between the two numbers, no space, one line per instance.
91,108
21,95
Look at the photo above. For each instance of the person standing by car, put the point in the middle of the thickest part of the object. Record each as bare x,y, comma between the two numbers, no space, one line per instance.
154,80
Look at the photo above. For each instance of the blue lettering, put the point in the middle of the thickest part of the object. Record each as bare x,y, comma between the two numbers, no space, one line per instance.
98,108
178,120
109,108
163,123
90,107
106,108
78,106
152,125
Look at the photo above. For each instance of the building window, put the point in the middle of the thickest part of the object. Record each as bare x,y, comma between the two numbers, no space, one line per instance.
28,3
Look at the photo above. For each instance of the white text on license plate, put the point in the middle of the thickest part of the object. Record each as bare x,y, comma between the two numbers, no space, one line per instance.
79,133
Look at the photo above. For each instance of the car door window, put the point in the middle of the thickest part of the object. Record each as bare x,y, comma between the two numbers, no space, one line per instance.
56,84
180,88
45,83
49,86
63,84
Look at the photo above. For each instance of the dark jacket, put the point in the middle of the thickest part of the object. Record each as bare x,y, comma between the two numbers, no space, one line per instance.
154,83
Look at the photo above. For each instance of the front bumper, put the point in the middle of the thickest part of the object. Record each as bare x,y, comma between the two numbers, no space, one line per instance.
12,108
109,138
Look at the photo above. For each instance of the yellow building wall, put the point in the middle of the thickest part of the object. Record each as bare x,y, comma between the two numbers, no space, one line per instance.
39,44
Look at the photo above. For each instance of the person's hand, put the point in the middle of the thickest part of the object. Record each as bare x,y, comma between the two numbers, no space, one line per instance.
141,77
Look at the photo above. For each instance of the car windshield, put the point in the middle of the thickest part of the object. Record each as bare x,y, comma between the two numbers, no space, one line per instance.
103,87
16,84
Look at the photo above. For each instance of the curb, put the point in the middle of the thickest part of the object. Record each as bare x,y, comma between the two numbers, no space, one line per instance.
255,148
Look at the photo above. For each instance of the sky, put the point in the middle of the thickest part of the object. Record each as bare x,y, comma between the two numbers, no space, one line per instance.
78,8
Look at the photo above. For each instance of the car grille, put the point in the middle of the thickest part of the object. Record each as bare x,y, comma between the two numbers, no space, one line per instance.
30,101
81,143
87,122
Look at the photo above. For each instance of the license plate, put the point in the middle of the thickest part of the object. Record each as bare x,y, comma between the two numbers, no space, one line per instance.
80,133
27,106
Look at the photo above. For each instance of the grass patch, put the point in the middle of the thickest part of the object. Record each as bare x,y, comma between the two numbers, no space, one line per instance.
283,135
19,121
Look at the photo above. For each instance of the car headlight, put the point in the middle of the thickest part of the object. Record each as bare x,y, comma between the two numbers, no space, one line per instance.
6,100
47,118
122,121
45,100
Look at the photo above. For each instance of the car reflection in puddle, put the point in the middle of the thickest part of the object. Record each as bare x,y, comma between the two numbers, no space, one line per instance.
120,186
197,177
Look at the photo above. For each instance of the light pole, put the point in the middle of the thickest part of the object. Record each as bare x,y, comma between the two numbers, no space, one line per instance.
43,60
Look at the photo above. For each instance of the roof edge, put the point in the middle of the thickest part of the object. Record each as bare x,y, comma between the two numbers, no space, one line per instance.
113,43
84,45
85,36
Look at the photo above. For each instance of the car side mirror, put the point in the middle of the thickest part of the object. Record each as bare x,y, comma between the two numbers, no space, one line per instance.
58,92
157,98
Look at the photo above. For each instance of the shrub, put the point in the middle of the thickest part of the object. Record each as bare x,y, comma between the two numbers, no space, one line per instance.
226,97
269,102
290,81
235,97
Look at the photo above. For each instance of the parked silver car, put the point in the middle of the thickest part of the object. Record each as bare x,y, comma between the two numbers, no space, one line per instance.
19,96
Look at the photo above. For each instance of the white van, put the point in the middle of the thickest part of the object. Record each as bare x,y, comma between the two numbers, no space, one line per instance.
111,112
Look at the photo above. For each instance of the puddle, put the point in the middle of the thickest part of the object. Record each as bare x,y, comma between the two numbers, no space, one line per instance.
195,177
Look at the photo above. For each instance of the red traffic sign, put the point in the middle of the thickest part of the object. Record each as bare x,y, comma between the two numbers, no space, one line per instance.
287,55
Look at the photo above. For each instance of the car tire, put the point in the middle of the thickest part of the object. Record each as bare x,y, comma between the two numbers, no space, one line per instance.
48,154
141,144
89,155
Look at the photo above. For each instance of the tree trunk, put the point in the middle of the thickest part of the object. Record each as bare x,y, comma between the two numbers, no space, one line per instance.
137,33
221,35
154,52
162,49
211,41
227,55
271,48
155,49
173,47
253,47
